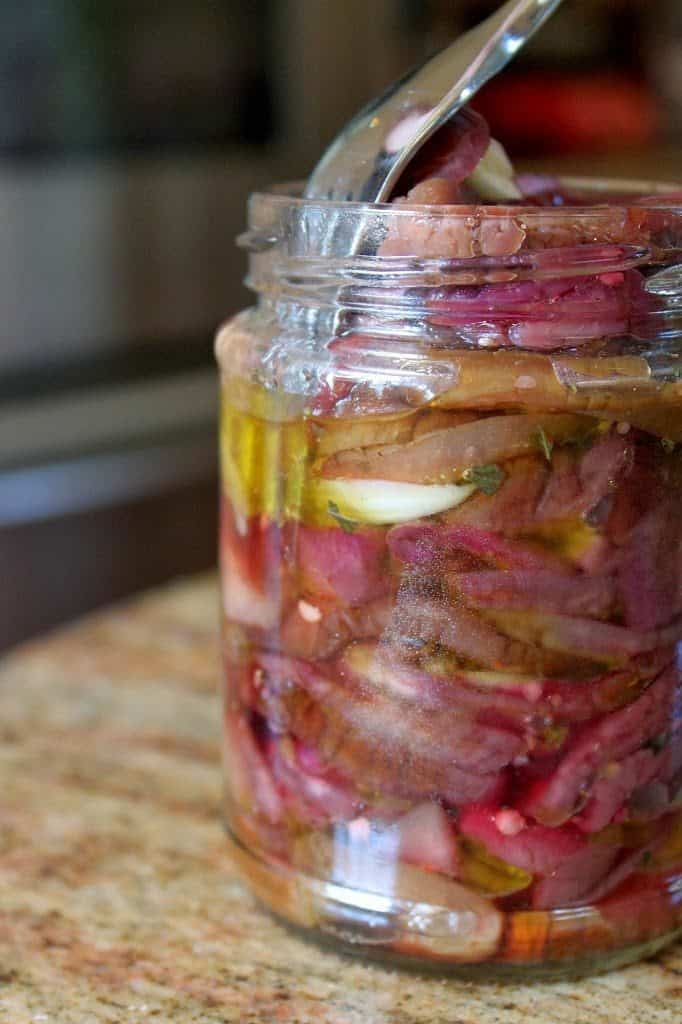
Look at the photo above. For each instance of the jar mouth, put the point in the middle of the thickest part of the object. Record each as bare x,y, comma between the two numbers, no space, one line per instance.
285,226
661,195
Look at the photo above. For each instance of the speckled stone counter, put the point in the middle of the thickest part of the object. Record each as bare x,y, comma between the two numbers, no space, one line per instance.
117,902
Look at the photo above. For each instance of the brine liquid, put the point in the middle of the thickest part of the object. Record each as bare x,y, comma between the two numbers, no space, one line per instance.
453,708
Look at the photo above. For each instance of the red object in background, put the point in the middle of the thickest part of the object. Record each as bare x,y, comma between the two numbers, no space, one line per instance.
537,113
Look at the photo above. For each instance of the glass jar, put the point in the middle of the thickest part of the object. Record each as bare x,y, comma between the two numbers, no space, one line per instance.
452,579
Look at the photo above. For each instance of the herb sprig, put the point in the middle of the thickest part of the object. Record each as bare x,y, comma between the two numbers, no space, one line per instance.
544,444
347,524
488,478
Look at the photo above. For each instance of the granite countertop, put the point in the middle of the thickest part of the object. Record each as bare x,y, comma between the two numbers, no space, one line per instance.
117,901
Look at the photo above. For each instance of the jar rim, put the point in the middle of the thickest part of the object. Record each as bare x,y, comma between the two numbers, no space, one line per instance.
665,196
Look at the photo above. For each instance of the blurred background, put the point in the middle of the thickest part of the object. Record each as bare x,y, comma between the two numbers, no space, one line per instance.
130,134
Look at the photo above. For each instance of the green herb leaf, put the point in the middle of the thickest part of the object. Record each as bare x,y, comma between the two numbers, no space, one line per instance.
347,525
544,444
668,445
554,735
487,478
581,442
657,743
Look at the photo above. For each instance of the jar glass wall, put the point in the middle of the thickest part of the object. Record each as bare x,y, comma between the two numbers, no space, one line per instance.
451,556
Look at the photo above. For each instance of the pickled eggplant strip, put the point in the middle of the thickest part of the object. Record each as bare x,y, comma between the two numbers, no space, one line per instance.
444,456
